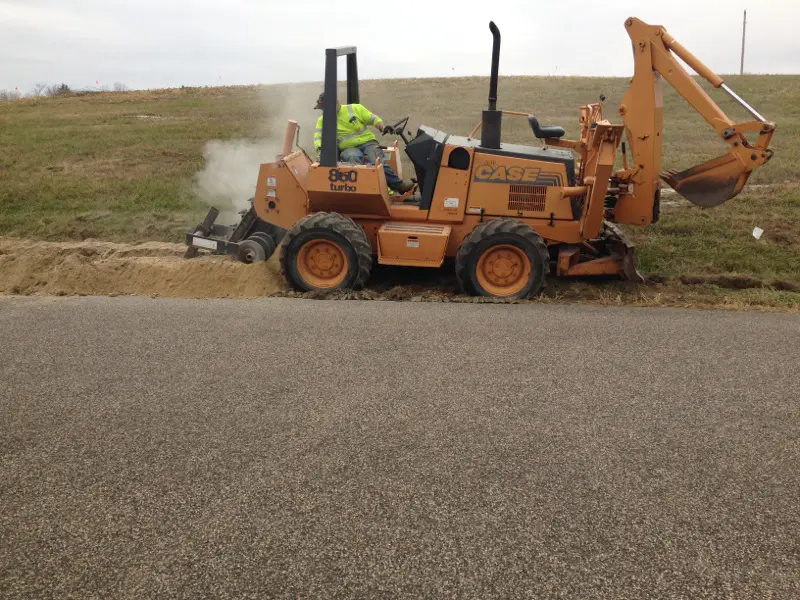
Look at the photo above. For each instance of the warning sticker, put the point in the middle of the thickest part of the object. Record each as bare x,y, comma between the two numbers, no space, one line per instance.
412,243
271,193
271,181
451,202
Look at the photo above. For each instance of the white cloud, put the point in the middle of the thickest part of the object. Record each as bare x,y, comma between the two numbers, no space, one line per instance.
158,43
41,22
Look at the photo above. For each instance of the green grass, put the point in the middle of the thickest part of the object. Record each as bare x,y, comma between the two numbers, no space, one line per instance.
90,166
689,240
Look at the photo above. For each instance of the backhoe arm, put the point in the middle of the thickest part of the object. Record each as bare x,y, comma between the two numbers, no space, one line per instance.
707,184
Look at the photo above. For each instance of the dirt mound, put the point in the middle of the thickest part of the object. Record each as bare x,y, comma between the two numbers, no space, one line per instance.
150,269
159,269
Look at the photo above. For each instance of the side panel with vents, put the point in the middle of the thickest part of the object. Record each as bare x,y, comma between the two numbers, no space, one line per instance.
527,197
515,186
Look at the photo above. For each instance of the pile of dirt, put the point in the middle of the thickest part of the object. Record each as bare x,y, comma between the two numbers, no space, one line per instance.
159,269
108,269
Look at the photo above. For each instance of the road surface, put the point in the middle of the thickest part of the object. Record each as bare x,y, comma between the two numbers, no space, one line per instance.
283,448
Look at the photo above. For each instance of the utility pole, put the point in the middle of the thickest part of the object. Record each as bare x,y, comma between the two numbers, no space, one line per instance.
744,27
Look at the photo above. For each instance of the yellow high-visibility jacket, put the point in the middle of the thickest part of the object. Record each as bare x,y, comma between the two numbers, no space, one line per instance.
352,127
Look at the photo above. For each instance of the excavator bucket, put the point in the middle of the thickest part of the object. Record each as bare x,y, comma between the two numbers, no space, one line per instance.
710,183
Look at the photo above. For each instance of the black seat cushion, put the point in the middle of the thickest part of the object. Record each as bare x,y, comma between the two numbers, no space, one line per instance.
548,131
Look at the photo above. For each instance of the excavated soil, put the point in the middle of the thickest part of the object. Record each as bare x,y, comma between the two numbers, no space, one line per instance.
159,269
108,269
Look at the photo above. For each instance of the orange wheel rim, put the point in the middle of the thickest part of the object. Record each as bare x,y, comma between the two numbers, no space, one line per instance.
322,264
503,270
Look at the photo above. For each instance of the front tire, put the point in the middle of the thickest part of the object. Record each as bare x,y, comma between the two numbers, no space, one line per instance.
502,258
324,252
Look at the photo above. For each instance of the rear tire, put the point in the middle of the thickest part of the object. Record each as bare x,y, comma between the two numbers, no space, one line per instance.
502,258
324,252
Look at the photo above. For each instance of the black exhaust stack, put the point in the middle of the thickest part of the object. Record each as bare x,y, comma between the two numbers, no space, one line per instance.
491,123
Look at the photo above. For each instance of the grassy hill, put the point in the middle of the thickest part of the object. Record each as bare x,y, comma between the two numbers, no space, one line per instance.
124,166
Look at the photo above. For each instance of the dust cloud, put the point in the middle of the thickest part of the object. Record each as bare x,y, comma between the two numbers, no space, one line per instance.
228,179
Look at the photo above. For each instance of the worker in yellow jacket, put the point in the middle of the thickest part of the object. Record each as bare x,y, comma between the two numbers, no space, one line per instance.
356,142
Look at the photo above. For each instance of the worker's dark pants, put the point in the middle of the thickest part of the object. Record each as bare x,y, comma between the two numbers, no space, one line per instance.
369,152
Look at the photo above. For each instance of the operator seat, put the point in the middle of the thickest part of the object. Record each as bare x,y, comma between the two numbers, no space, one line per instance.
546,131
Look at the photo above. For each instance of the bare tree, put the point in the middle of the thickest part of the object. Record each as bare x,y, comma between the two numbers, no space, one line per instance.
10,95
57,90
38,89
120,87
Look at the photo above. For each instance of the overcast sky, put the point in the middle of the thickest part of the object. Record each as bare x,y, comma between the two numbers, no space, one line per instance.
168,43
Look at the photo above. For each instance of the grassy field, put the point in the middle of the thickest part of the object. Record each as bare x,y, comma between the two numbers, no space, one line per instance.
123,166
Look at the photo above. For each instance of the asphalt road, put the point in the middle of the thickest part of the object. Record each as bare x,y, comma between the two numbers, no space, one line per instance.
318,449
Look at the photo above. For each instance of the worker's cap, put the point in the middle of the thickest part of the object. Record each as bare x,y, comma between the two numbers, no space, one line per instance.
320,100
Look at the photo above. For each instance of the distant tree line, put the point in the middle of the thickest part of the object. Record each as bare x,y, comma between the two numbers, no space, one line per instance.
58,89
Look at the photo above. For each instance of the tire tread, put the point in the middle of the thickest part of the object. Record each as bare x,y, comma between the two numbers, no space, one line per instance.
487,229
341,225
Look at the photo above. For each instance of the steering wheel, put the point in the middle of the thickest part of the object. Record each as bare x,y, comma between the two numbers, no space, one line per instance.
399,128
